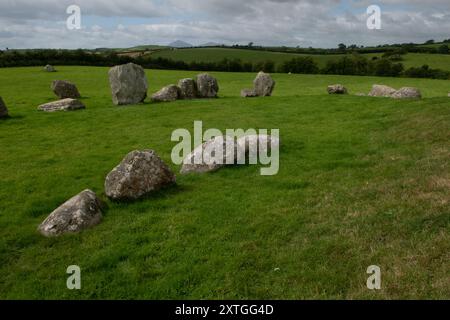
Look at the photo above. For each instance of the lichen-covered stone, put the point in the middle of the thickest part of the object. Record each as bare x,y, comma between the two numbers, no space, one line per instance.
65,89
62,105
128,84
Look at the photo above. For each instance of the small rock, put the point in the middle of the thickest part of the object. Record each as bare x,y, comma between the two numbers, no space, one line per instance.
167,94
210,156
337,89
62,105
207,86
80,212
248,93
407,93
49,68
128,84
188,88
449,94
381,91
3,109
360,94
263,84
139,174
65,89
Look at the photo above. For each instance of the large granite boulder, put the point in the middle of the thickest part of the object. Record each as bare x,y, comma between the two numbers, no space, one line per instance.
210,156
167,94
337,89
188,88
62,105
49,68
3,109
65,89
248,93
248,147
263,84
381,91
80,212
407,93
207,86
139,174
128,84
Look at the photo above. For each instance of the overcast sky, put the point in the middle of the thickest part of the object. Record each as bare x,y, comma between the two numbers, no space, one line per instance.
125,23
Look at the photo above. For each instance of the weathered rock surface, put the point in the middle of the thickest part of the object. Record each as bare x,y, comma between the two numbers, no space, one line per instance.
188,88
381,91
407,93
62,105
128,84
49,68
167,94
248,93
263,84
65,89
80,212
3,109
207,86
248,147
337,89
210,156
139,174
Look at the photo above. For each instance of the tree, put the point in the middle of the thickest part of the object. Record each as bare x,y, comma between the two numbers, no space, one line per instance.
444,49
342,46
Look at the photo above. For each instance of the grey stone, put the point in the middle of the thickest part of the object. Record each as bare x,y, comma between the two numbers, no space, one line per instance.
248,93
3,109
249,146
263,84
381,91
79,213
139,174
210,156
128,84
167,94
188,88
407,93
65,89
62,105
207,86
49,68
337,89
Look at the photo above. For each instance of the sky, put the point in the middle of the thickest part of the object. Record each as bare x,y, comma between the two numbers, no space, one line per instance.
304,23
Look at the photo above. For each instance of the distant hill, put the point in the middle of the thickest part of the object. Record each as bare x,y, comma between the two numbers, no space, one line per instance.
210,44
180,44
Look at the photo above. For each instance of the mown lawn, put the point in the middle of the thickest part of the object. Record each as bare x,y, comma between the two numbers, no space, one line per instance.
363,181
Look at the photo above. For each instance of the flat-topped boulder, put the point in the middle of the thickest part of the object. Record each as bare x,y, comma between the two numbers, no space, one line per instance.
210,156
128,84
138,175
381,91
62,105
49,68
188,88
3,109
250,146
78,213
207,86
337,89
65,89
248,93
263,84
167,94
407,93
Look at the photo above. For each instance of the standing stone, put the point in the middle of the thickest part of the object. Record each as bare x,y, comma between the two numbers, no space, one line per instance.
80,212
3,109
337,89
139,174
62,105
207,86
167,94
248,93
263,84
49,68
65,89
381,91
188,89
210,156
407,93
128,84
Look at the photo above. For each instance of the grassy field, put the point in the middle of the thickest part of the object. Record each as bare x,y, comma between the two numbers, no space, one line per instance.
362,181
438,61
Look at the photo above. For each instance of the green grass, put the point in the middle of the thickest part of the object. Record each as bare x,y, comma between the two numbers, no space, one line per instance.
362,181
437,61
